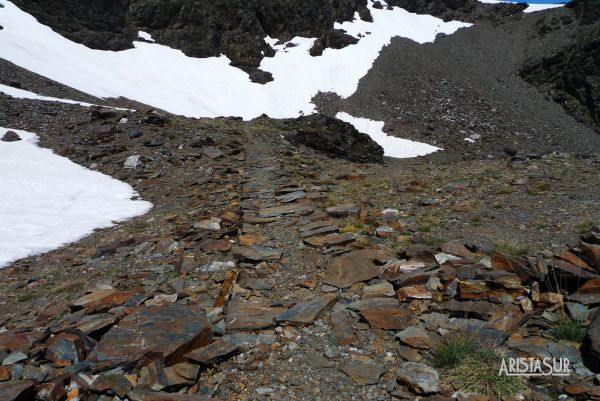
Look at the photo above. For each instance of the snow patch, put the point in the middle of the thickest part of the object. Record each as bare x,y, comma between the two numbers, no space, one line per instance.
47,201
392,146
23,94
145,35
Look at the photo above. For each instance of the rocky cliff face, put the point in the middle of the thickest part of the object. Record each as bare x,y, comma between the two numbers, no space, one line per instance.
199,28
570,75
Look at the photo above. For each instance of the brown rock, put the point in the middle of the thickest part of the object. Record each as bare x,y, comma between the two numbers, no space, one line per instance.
53,391
416,337
591,254
5,373
573,259
549,299
457,249
341,326
413,292
348,269
389,318
171,330
331,240
216,351
21,341
363,373
251,239
244,315
16,391
520,267
105,299
145,395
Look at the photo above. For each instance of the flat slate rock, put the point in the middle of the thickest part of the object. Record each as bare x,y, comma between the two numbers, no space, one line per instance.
350,268
365,373
256,253
419,378
171,329
389,318
291,196
305,313
218,350
342,210
146,395
244,315
331,240
14,391
325,229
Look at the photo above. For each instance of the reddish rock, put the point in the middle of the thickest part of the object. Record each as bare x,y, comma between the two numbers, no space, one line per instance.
389,318
212,245
171,330
351,268
413,292
591,254
21,341
244,315
331,240
115,382
251,239
341,326
104,299
573,259
5,373
457,249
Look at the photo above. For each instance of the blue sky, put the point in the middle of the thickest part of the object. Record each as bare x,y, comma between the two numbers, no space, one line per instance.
540,1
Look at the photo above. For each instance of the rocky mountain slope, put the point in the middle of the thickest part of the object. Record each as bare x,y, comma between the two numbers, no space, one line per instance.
289,259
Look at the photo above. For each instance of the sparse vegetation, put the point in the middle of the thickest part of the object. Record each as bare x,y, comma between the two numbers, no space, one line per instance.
477,372
570,329
452,351
511,248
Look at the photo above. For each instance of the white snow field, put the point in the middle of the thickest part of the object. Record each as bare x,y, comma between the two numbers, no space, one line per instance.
23,94
392,146
47,201
165,78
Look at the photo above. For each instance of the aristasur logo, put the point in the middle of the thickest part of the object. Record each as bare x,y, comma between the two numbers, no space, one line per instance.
535,367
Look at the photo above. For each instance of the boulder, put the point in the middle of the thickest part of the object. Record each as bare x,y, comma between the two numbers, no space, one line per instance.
335,138
419,378
10,136
171,330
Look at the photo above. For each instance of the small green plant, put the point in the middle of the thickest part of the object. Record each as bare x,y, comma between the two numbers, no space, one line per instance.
478,372
570,329
511,248
452,351
585,226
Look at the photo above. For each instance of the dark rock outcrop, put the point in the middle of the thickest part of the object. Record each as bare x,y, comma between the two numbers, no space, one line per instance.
335,138
570,75
199,28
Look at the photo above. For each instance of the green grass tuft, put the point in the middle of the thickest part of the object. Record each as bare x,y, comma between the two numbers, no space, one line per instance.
570,329
478,372
511,248
452,351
